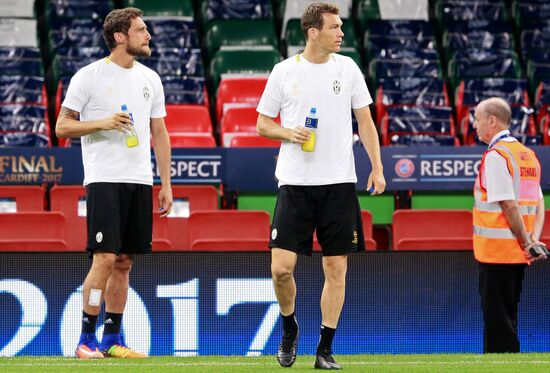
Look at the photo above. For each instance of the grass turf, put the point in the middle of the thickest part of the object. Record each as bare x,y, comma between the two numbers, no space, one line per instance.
500,363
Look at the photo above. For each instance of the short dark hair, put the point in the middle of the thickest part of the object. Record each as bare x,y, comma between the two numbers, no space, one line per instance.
118,20
313,16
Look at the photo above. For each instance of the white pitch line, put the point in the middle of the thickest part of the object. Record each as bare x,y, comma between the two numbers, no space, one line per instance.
368,363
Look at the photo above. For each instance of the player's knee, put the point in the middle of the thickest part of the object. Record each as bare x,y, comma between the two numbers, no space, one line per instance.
123,263
104,261
281,273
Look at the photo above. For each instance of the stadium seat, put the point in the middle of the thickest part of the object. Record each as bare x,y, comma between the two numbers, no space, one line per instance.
235,120
163,8
472,91
432,230
243,62
188,118
235,9
21,89
192,140
21,198
449,11
160,242
32,231
187,199
185,90
172,32
238,92
229,230
418,125
248,140
370,243
236,33
175,62
71,201
384,37
542,99
406,63
477,34
481,63
410,91
24,125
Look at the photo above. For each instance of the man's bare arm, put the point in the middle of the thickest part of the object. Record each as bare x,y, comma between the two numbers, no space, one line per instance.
69,125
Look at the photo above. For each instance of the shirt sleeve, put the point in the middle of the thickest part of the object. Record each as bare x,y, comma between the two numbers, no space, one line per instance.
499,183
272,98
157,108
78,93
360,95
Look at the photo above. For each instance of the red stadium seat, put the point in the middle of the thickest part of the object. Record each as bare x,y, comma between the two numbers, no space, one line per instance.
32,231
26,198
370,243
188,118
238,120
238,92
247,140
192,140
204,197
229,230
432,230
160,233
65,199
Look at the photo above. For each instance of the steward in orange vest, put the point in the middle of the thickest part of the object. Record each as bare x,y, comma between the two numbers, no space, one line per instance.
508,220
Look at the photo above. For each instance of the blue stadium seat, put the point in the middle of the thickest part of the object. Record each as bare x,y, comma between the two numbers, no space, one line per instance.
22,89
75,33
477,34
236,9
383,36
175,62
410,91
23,125
406,63
449,11
418,125
184,90
470,92
173,32
57,12
20,61
481,63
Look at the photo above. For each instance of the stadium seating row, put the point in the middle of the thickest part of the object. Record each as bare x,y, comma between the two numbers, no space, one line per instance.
198,224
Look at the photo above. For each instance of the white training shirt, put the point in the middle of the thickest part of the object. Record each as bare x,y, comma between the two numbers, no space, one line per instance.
97,91
333,88
496,178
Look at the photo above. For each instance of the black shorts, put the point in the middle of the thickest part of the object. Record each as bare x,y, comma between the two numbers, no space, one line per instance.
119,217
332,210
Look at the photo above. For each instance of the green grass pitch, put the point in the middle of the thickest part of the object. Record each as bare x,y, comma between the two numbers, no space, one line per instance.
498,363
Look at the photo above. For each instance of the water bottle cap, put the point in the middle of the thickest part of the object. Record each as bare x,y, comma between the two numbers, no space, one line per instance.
313,110
123,107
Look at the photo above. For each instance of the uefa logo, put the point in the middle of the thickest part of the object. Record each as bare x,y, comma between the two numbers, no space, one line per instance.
404,168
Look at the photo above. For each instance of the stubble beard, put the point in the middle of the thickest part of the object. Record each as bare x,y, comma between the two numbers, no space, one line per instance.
138,52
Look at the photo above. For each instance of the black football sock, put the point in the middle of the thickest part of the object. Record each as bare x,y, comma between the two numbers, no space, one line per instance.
88,323
325,342
290,325
112,323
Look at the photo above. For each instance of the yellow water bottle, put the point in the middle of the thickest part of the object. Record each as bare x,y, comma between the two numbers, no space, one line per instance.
132,139
311,125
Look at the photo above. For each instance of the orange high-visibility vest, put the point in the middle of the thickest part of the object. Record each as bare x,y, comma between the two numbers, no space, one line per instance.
494,241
